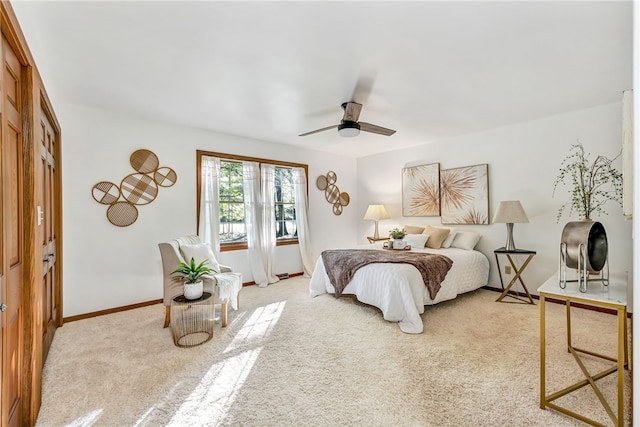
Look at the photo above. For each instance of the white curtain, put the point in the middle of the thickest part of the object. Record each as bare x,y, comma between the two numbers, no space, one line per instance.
253,221
268,229
209,221
302,220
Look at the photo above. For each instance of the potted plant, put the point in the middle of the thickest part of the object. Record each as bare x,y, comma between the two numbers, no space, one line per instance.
396,235
192,274
591,184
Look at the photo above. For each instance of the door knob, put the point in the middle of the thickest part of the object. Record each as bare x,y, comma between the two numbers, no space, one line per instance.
3,307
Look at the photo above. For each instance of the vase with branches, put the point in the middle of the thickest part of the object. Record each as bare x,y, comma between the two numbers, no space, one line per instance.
590,184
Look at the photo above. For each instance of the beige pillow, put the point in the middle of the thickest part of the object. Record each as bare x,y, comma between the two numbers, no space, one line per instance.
413,229
436,236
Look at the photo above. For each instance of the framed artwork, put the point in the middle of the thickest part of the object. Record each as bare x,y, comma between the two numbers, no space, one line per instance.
464,195
421,190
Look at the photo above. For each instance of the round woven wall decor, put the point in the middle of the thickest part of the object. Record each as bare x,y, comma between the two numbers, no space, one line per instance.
144,161
344,198
122,214
321,183
332,193
105,192
327,183
165,177
139,189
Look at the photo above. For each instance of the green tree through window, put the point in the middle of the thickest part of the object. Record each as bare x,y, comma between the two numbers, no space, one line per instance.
231,210
285,204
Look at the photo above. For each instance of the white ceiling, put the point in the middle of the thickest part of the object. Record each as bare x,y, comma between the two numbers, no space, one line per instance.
272,70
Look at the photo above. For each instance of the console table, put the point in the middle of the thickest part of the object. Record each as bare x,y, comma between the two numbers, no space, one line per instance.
614,297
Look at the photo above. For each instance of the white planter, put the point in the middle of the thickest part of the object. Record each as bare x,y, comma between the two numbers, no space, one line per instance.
193,290
398,243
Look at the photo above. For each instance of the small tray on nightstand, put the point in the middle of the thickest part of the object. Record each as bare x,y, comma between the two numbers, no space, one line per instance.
386,247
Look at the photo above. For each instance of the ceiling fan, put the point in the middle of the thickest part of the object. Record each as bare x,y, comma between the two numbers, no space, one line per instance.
350,126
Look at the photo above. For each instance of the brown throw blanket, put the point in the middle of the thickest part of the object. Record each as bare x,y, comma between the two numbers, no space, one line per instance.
342,264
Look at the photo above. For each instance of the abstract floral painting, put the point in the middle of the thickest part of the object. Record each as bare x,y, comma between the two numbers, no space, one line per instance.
464,195
421,190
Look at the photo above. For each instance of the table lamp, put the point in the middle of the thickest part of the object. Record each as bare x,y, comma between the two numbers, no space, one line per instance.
510,212
376,213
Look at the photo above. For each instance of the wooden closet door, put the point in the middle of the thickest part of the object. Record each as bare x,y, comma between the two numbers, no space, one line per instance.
12,189
46,178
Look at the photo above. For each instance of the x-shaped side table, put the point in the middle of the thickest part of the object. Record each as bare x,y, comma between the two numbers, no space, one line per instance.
517,274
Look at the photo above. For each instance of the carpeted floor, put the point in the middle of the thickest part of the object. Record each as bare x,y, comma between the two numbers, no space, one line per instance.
287,359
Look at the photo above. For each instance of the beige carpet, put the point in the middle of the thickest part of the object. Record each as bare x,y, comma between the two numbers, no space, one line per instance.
287,359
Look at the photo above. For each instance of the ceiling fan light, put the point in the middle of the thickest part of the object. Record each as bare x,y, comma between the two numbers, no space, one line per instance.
349,129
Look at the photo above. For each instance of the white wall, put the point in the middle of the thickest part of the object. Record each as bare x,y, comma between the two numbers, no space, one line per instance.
524,160
107,266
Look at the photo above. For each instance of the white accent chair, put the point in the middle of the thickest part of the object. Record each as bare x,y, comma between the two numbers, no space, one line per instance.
172,256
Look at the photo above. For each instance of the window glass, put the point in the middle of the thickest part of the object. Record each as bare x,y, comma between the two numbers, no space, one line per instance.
231,207
285,204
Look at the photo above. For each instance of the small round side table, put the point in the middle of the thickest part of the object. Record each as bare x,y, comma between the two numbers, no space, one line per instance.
192,321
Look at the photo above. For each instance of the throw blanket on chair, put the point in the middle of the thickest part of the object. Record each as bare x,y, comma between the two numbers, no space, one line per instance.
342,264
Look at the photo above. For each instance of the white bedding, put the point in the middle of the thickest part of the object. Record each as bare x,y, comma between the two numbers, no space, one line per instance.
398,289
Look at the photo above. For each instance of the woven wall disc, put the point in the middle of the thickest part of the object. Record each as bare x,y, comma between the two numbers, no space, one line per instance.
122,214
321,183
332,177
337,208
105,192
165,177
332,193
144,161
344,198
139,189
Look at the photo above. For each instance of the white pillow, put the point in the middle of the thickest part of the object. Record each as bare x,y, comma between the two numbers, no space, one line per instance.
447,242
199,253
416,240
466,240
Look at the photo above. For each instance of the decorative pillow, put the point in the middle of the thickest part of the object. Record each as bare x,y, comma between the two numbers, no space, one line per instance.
199,253
466,240
436,236
447,242
413,229
416,240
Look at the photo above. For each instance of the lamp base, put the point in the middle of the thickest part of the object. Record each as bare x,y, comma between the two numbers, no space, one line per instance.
376,236
510,246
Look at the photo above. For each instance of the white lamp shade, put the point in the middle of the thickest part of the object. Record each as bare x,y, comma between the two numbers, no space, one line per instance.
510,211
376,212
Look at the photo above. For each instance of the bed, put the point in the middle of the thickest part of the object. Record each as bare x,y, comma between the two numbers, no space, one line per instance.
398,290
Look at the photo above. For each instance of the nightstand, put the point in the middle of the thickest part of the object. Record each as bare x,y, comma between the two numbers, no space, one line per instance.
379,239
517,274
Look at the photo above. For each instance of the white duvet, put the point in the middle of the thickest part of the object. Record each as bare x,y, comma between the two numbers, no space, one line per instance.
398,289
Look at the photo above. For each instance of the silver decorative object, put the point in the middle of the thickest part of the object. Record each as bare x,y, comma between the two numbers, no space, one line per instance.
584,247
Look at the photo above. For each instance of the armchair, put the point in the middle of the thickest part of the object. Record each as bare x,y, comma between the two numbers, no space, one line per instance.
171,257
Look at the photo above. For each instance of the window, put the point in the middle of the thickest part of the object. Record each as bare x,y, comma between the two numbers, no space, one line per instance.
233,233
284,201
231,203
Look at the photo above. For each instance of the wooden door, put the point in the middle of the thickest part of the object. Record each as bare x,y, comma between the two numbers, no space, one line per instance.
46,178
12,269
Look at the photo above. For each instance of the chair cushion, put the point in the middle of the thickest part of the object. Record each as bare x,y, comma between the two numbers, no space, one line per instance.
199,253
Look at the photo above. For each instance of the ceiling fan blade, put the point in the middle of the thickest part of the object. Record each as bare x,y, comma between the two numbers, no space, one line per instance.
363,86
368,127
318,130
351,111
